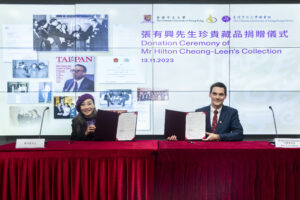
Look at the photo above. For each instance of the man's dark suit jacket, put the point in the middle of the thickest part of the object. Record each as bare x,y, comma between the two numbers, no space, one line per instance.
87,85
229,127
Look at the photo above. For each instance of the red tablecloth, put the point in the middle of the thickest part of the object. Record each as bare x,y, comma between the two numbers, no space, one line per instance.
126,170
78,171
227,170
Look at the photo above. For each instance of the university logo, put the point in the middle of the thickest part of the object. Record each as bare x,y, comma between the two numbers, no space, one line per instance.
147,18
211,19
225,18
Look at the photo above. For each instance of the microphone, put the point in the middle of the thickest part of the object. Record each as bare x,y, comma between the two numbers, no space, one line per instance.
47,108
273,141
71,139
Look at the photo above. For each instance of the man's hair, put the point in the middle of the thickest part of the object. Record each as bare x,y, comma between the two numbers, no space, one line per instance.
84,67
219,84
42,23
52,20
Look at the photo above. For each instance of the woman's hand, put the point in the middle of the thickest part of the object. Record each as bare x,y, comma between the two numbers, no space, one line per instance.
90,129
172,138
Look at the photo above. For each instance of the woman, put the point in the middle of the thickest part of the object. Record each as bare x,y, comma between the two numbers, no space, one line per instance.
79,37
83,125
66,109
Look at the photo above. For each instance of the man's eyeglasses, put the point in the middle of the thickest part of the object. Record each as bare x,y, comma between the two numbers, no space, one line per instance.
76,70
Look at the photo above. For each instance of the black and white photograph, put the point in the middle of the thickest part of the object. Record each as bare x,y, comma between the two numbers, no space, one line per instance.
160,95
17,87
116,99
146,94
70,32
23,116
64,107
30,69
20,93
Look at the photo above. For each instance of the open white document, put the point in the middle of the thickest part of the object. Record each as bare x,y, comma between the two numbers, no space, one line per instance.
195,125
126,126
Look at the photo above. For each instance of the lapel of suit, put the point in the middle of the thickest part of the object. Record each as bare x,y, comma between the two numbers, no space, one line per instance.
208,120
70,85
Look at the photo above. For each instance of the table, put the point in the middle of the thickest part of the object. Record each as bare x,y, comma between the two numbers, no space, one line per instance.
226,170
150,170
79,171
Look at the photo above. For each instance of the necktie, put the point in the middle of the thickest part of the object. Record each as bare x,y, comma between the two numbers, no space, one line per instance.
215,121
75,87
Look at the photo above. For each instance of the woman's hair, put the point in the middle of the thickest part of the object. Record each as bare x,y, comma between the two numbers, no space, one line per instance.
81,99
81,120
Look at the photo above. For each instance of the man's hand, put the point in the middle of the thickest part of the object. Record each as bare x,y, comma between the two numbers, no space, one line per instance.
172,138
212,137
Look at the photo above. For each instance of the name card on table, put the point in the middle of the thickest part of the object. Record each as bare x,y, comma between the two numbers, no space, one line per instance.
30,143
287,142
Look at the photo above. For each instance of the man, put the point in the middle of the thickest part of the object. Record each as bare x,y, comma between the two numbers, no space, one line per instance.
79,83
58,111
108,98
43,70
97,35
222,122
42,31
21,71
54,34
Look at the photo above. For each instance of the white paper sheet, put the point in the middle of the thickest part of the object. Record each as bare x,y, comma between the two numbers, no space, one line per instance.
126,126
195,125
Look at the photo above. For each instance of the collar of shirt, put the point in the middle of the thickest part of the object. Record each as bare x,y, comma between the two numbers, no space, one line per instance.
212,110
